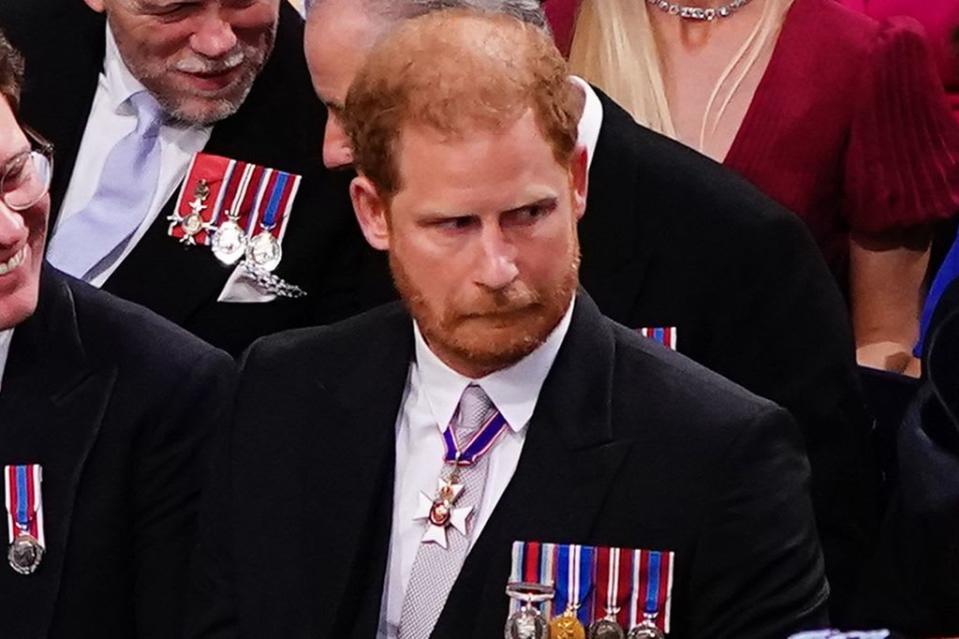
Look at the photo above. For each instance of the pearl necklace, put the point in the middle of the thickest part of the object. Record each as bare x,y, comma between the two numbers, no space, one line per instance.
697,13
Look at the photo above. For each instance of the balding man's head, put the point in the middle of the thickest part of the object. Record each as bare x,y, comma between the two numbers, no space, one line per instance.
455,71
340,33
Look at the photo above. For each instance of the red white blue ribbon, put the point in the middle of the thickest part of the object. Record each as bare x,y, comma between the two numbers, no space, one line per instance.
651,588
613,574
574,580
665,335
24,501
534,562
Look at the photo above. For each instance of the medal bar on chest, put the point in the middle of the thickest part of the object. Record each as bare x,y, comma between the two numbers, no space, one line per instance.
24,502
651,594
613,572
440,512
574,580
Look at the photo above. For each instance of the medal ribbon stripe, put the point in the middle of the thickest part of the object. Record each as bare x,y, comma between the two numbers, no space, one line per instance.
478,445
666,591
208,168
574,580
666,335
24,501
613,580
547,572
222,191
266,183
290,198
243,200
254,197
276,194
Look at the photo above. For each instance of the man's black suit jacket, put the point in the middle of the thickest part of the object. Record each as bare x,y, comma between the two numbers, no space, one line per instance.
116,405
914,581
280,125
670,238
630,445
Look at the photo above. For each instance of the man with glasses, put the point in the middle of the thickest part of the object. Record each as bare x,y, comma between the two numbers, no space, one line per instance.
105,409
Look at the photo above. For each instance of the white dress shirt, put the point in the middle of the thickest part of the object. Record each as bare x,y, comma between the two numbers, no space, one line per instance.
590,121
112,118
432,394
5,337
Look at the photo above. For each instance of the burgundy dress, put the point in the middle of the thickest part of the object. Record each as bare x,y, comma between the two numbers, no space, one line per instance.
850,127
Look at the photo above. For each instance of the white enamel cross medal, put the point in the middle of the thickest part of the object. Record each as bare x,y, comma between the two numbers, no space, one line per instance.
441,514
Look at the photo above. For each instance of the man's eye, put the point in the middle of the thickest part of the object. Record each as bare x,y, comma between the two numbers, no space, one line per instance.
14,174
455,223
527,214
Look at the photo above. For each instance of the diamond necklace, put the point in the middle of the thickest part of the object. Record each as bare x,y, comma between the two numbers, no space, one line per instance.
697,13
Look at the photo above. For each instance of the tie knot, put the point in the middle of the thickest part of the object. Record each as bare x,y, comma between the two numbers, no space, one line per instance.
150,114
475,409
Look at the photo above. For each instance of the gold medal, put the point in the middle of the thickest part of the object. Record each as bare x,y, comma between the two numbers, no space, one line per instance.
566,626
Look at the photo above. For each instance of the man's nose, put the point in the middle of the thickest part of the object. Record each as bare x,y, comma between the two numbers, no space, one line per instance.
214,36
497,268
13,229
337,151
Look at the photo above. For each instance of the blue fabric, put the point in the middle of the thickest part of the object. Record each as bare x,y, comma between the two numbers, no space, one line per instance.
122,199
948,272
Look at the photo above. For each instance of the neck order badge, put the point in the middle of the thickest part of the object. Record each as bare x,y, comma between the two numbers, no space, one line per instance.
440,512
24,503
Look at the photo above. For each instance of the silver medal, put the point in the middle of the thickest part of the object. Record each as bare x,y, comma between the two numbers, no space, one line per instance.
528,622
646,630
264,251
229,242
605,628
25,554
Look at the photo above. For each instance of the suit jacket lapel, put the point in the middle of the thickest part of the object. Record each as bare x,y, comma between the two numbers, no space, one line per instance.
61,111
52,402
352,532
568,462
613,233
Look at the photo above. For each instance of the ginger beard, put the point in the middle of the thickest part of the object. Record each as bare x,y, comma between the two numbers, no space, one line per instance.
490,329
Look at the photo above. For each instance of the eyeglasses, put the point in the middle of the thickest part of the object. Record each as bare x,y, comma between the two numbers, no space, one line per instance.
25,179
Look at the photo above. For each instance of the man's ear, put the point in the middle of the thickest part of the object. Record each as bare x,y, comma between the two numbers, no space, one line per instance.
371,212
96,5
579,177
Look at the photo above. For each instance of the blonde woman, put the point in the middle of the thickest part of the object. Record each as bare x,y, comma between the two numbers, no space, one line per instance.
837,116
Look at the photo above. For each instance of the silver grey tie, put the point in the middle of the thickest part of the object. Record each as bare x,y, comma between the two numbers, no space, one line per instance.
435,568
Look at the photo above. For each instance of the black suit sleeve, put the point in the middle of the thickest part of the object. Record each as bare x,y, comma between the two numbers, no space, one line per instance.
172,460
758,571
791,342
212,612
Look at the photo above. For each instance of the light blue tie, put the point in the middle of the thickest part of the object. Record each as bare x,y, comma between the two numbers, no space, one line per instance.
91,239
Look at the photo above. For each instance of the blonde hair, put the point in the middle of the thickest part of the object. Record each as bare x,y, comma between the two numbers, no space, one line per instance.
614,47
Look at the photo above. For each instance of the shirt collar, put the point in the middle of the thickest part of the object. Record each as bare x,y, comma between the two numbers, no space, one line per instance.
513,390
590,121
120,84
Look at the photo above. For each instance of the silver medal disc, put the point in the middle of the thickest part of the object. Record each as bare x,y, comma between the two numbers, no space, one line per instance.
605,629
229,243
646,630
527,623
264,251
25,554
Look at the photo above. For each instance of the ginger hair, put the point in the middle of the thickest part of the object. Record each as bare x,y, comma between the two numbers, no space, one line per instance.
453,71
